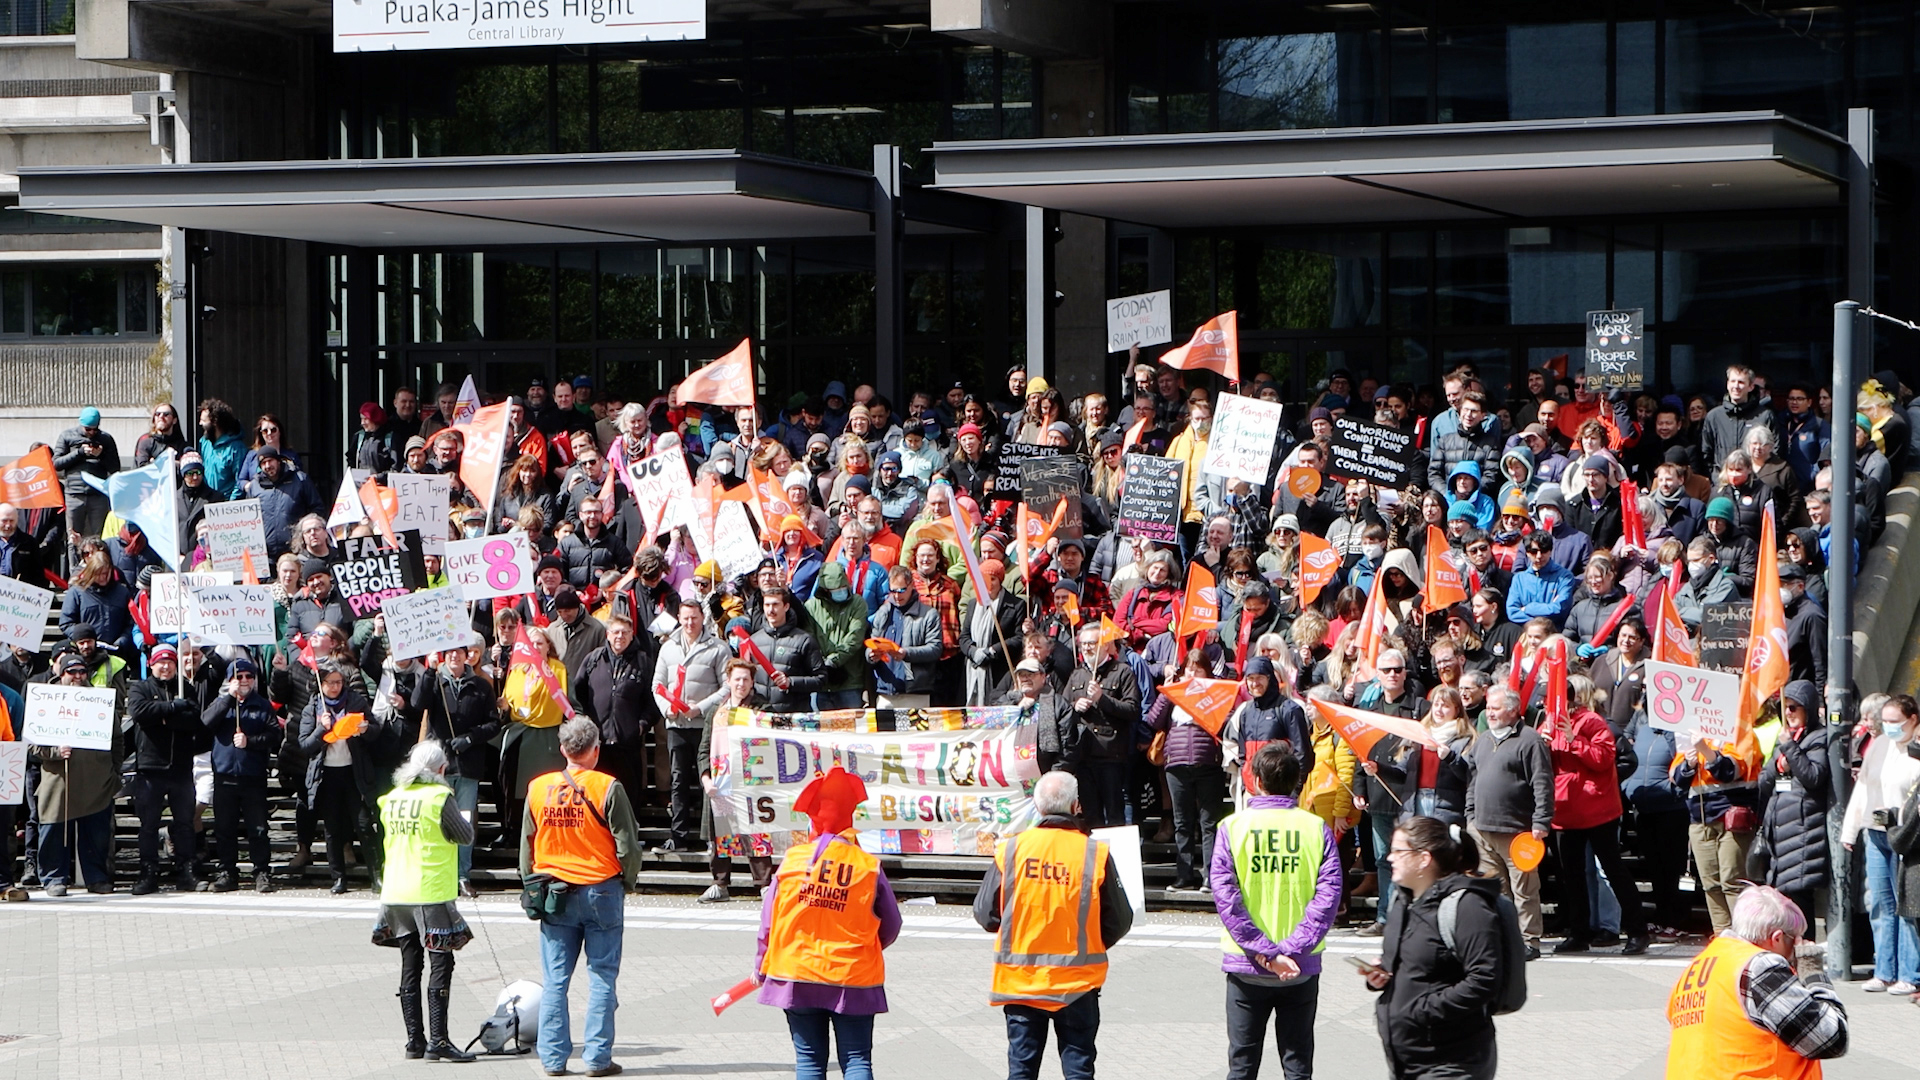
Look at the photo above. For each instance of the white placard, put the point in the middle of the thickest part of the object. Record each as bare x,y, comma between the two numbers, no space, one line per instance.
1695,703
388,25
61,715
734,547
13,773
231,615
167,611
1123,843
424,502
347,511
490,566
1241,444
662,491
1145,319
428,621
233,528
23,614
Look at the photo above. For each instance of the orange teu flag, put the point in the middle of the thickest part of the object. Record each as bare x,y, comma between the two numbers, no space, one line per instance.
1318,566
1215,346
1109,632
381,504
1766,671
1373,620
1200,607
726,381
30,482
246,566
1361,729
1444,586
1209,701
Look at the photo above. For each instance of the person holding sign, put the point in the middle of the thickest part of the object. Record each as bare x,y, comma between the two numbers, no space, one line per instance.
534,704
167,735
1722,785
246,736
457,706
341,745
75,799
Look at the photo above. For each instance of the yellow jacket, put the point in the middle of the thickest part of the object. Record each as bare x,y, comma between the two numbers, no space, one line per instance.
1329,789
527,699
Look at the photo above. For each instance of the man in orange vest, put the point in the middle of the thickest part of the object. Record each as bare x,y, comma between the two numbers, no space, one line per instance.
578,829
1054,899
1740,1011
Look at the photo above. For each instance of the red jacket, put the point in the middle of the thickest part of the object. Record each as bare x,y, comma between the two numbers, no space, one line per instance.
1586,785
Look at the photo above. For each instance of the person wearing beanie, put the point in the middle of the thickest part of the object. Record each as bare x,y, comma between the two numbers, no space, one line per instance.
317,602
85,450
1595,508
246,736
1739,556
1796,790
971,462
1571,547
167,733
799,561
75,799
900,495
1806,626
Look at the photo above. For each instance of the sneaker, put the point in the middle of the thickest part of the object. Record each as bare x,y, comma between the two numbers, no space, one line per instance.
466,890
263,883
1372,929
716,894
1182,886
1875,985
611,1068
1636,946
1572,945
1901,988
14,894
57,889
1533,952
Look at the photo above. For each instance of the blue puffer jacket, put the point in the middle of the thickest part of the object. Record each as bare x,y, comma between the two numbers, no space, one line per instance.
1544,590
107,608
254,716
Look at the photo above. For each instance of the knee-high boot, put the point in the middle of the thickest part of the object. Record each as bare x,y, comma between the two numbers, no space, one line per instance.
416,1032
439,1049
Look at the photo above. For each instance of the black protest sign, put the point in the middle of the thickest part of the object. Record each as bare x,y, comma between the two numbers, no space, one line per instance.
1044,481
1724,630
1006,477
1150,495
1615,356
1373,452
366,572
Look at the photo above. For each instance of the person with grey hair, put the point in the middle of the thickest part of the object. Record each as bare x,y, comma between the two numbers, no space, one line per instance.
424,833
578,838
1511,794
458,706
1740,1009
1053,900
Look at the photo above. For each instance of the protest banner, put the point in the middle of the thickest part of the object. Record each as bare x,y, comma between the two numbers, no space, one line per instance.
424,504
662,491
1047,482
1006,478
1693,702
1150,494
428,621
233,529
733,545
1241,444
78,716
231,614
490,566
974,782
1141,319
167,606
13,773
1724,631
1362,450
1123,843
1614,344
23,614
366,573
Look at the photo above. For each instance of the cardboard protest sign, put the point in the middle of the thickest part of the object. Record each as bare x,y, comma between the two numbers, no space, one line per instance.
425,500
734,547
1006,478
13,773
1047,482
167,603
1240,446
1724,631
23,613
428,621
366,573
78,716
662,491
1694,702
1615,344
234,528
1150,493
1143,319
1362,450
490,566
1123,843
231,615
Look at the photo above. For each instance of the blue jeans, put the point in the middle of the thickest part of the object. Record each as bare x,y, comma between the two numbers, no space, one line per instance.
1077,1025
1380,830
466,796
85,840
595,917
852,1035
1896,946
1601,902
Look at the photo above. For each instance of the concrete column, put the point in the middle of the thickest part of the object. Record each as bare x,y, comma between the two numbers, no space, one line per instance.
1076,107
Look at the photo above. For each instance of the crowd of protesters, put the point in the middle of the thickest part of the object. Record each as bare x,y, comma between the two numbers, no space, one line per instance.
649,640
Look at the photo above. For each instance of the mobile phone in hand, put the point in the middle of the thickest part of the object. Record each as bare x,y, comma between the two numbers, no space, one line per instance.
1363,966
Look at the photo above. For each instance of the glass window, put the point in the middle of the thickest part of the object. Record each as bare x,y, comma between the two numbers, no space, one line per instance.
1470,277
13,303
76,300
1277,82
1633,57
975,89
1556,71
833,290
137,302
1473,74
647,105
1752,271
1314,280
1409,65
1408,270
1756,60
1019,97
482,109
575,288
629,294
1558,275
1633,265
519,296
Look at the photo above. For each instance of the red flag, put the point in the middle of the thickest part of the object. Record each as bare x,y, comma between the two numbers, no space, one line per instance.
1319,565
1766,670
1671,643
1200,607
1215,346
726,381
1209,701
30,482
305,648
753,651
1633,528
1444,586
525,655
381,504
1362,729
1554,698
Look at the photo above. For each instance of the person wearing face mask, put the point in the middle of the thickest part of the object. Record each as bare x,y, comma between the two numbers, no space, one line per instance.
1889,768
1722,785
1806,627
1571,547
1373,554
837,618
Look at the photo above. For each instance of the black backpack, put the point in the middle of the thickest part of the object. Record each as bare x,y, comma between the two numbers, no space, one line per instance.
1511,995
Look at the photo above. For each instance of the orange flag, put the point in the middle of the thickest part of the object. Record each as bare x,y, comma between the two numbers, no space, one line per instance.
1034,532
726,381
381,504
1373,620
1319,565
1209,701
1671,644
1766,670
1444,585
1200,607
30,483
1362,729
1215,346
486,445
1070,605
246,566
1109,632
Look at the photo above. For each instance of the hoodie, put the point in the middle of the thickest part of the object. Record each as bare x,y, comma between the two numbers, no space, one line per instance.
1571,547
840,628
1485,510
1526,488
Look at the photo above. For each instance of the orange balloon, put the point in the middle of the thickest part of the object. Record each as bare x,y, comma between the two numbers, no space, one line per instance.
1526,852
1303,482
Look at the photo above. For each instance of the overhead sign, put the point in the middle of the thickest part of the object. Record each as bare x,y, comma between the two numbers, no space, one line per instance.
1373,452
1146,319
1150,495
1615,350
388,25
23,614
1695,702
76,716
1244,432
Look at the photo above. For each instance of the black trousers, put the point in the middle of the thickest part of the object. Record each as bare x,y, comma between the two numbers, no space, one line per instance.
237,802
1661,840
1604,841
6,846
683,752
154,793
1291,1006
1197,792
345,814
412,953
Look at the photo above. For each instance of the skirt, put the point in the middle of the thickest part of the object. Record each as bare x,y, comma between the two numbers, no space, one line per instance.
440,927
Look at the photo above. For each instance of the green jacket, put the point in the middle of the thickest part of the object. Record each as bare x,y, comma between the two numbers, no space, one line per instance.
840,628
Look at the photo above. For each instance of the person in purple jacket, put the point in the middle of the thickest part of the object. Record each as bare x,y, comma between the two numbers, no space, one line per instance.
1276,884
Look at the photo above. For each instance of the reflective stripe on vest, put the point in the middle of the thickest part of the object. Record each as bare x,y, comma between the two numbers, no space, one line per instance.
1276,858
1047,894
422,865
568,840
823,930
1712,1037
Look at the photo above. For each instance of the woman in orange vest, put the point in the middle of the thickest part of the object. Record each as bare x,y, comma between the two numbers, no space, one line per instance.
826,919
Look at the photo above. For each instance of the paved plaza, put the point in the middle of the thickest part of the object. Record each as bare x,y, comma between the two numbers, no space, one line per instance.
284,987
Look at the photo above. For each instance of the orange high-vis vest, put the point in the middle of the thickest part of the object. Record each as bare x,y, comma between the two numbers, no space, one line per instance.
568,840
1712,1037
824,930
1049,953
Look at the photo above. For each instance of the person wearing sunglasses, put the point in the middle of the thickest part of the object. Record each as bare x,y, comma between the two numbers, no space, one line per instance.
163,433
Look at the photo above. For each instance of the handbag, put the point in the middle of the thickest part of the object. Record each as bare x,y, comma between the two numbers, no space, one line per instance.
1157,749
1741,819
543,896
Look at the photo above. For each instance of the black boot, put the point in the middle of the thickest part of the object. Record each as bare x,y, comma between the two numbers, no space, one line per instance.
149,881
416,1033
439,1049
